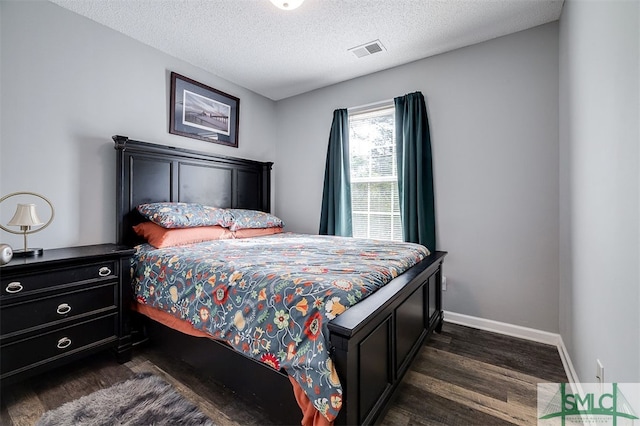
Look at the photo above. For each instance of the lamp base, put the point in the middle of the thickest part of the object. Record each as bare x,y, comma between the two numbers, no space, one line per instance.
30,252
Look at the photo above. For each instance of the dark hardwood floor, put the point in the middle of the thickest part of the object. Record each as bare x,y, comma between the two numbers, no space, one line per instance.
462,376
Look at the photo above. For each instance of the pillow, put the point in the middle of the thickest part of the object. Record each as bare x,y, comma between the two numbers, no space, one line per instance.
184,215
258,232
252,219
160,237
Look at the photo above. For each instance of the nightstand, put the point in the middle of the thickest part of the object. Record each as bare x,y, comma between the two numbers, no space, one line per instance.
61,306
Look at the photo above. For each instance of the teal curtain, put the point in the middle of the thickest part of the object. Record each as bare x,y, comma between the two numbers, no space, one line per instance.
415,172
335,217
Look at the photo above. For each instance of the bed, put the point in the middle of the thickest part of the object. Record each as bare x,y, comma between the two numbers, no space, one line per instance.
371,344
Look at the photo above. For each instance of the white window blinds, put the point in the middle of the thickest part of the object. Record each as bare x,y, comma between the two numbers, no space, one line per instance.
374,181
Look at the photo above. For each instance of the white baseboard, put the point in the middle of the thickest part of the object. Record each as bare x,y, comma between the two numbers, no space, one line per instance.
517,331
568,366
503,328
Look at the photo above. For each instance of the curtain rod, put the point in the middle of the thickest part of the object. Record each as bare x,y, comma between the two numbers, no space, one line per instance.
373,105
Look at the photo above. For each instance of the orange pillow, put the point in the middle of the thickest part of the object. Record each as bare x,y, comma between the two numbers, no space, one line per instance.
255,232
160,237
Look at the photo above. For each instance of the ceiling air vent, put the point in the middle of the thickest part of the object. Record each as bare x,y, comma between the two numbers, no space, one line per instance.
367,49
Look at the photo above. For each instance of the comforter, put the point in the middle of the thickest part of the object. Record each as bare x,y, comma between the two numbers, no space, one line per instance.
271,297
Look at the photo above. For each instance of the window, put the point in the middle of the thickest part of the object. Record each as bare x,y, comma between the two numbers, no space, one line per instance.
374,180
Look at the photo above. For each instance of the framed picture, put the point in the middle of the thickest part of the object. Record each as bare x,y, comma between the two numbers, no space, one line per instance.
202,112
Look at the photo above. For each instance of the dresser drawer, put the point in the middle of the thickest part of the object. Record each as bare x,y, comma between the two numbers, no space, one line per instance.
29,282
41,312
57,344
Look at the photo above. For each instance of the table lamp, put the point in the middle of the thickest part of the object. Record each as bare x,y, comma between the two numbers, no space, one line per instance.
26,217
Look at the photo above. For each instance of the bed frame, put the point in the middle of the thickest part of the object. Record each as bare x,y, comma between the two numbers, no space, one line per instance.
372,343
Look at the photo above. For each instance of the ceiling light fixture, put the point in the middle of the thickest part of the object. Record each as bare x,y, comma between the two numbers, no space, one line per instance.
287,4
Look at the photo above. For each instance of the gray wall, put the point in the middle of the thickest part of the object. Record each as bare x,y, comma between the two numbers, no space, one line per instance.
493,109
68,84
600,187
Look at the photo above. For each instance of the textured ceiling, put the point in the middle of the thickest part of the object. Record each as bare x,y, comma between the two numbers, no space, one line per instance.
279,53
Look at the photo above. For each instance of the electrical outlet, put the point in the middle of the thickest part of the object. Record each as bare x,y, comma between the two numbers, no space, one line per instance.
599,371
444,283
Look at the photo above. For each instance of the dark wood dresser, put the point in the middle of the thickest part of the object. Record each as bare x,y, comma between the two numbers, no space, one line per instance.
61,306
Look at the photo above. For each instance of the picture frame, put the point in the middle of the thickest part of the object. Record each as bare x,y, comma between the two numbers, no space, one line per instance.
201,112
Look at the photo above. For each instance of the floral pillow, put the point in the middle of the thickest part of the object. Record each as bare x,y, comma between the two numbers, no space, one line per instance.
184,215
253,219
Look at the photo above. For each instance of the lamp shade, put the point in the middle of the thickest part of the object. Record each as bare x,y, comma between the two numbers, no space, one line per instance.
287,4
25,215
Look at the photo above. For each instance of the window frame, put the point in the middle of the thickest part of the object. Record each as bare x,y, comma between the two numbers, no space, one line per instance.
380,109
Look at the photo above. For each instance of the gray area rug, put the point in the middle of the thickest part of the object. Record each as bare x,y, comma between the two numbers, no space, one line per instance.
144,400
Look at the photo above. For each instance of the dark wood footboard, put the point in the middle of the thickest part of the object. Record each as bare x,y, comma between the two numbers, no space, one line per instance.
374,342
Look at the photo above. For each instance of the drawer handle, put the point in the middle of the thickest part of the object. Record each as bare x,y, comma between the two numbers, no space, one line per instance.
104,271
63,309
63,343
14,287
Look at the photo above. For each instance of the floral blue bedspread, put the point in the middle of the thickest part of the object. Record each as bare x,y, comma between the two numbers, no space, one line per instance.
271,297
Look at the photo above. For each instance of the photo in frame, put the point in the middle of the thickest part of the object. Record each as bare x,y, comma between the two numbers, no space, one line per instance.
202,112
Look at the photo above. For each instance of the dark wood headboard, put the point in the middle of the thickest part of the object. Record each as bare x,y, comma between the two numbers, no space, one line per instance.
149,173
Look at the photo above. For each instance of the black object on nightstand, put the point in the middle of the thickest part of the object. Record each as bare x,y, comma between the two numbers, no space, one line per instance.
62,306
